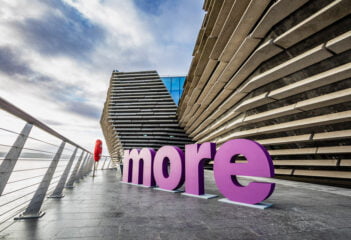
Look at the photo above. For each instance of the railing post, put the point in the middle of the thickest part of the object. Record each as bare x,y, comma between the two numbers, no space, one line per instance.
108,165
94,168
81,169
86,167
102,168
33,209
92,164
61,184
89,166
12,156
73,176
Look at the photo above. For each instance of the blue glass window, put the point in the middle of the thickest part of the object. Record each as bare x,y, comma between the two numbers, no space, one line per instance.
167,82
175,86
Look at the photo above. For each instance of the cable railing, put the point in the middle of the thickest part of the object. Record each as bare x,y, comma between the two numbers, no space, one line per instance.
105,163
33,168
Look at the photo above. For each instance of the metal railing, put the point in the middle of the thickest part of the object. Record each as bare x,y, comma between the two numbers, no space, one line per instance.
105,163
32,168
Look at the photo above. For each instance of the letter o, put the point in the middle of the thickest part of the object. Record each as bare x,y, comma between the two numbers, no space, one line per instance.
175,178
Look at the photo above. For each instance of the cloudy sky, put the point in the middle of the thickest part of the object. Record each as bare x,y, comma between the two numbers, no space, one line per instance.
56,56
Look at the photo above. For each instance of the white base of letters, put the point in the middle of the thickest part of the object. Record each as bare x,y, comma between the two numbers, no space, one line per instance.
139,185
260,205
203,196
172,191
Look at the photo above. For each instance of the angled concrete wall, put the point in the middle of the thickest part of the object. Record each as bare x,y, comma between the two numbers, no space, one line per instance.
277,72
139,112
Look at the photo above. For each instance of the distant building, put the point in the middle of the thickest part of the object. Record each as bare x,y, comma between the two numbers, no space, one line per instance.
139,112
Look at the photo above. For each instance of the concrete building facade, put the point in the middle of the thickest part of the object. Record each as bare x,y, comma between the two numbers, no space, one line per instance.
277,72
139,112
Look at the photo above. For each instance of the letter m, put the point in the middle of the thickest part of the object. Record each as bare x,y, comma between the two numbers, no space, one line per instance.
138,166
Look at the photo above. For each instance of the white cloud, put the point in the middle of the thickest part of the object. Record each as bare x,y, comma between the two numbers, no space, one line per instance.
65,53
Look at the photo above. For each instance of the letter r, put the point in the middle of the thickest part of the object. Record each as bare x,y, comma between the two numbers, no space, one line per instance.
195,156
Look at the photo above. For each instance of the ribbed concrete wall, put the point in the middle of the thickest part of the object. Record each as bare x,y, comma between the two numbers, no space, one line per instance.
277,72
139,112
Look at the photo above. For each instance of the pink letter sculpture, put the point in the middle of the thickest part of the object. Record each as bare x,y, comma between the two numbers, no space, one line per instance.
259,165
147,168
195,156
174,178
139,166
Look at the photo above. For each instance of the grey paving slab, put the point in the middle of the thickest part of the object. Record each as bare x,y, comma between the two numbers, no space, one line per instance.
104,208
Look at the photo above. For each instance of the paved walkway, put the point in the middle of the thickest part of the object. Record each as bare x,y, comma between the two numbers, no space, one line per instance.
104,208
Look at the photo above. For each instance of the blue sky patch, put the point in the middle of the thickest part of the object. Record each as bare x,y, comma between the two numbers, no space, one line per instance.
149,6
